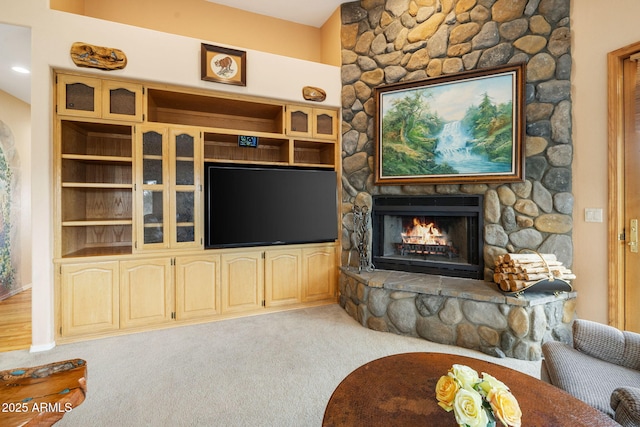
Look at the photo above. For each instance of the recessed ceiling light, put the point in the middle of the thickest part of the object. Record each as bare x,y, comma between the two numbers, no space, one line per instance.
20,70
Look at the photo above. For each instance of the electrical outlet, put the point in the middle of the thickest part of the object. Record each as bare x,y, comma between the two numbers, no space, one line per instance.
593,215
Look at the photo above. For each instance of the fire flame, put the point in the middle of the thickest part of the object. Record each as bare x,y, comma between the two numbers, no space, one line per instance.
422,233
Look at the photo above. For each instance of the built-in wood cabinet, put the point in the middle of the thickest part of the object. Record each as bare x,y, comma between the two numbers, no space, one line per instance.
170,192
103,297
300,275
128,174
283,277
83,96
312,122
146,292
89,297
242,281
197,286
319,273
94,177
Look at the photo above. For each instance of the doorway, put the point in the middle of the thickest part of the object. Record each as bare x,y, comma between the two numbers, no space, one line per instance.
624,186
15,195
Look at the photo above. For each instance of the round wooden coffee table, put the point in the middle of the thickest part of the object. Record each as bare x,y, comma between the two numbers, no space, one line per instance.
399,390
42,395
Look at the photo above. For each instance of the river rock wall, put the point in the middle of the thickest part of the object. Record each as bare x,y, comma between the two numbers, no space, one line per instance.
461,312
388,41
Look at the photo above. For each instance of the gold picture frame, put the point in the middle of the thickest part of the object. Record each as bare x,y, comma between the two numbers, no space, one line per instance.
223,65
452,129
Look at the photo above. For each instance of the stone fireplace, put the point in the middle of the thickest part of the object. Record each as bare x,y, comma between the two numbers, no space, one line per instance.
388,41
429,234
385,42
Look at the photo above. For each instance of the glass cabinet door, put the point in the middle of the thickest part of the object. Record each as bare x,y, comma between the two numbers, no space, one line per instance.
169,182
185,157
154,187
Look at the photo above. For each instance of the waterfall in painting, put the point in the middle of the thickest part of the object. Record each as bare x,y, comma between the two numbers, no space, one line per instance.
455,148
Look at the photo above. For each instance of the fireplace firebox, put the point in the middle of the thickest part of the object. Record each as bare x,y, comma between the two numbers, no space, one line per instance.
439,235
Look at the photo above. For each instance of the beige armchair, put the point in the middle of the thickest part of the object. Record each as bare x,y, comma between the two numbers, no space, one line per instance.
602,369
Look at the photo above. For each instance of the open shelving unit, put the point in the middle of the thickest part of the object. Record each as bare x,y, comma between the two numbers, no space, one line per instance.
96,186
223,147
224,112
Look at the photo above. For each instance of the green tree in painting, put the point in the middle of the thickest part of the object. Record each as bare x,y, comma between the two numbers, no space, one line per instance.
492,129
409,132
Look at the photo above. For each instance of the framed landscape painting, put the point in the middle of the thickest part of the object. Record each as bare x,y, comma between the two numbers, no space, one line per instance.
460,128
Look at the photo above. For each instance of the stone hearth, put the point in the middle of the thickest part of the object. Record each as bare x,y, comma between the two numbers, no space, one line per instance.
463,312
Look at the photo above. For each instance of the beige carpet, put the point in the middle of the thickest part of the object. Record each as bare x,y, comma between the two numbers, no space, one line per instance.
269,370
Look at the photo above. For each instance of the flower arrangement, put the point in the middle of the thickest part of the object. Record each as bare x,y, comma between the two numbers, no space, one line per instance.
475,401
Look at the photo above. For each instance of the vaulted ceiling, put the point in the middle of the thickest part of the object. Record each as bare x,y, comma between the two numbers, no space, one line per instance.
15,41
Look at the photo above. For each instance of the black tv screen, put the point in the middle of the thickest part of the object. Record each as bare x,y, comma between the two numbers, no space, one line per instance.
252,206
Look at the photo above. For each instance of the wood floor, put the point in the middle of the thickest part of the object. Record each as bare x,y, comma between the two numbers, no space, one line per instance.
15,322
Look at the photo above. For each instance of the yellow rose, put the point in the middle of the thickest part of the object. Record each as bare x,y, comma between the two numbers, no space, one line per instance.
467,376
505,407
446,390
467,407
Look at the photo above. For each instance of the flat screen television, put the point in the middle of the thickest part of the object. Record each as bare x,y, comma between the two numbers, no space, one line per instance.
254,206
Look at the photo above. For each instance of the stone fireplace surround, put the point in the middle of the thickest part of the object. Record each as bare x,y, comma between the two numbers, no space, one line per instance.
387,41
454,311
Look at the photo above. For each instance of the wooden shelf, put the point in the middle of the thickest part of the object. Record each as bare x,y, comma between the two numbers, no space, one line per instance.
101,251
214,111
91,222
96,185
98,159
95,139
107,239
218,146
314,153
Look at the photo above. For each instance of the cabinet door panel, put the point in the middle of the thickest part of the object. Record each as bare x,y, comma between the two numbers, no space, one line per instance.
320,275
152,187
79,96
122,101
89,298
299,121
146,292
197,286
185,152
325,123
242,281
283,277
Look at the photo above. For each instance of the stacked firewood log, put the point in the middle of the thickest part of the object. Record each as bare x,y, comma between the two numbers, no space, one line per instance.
514,272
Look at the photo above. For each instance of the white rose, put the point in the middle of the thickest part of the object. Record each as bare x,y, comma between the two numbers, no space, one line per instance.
467,376
489,382
467,408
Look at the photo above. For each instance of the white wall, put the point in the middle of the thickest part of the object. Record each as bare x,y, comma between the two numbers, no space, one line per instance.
151,56
597,29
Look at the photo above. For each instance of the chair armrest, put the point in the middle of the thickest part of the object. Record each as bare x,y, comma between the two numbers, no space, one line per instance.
625,401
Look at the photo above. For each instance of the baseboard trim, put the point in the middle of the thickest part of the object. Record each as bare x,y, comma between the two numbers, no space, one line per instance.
15,292
42,347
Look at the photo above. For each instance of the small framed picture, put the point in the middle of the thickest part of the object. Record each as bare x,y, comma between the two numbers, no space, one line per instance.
223,65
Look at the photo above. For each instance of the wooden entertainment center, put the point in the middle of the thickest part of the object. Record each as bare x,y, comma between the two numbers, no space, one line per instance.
129,252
